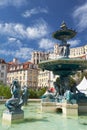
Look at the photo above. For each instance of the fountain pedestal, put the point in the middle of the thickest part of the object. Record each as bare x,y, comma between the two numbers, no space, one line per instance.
66,109
12,117
64,67
48,107
70,109
82,108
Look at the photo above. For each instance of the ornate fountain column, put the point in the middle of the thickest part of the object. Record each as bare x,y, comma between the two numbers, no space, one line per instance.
64,66
63,35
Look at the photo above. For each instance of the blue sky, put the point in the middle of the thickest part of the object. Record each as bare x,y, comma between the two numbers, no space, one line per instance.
27,25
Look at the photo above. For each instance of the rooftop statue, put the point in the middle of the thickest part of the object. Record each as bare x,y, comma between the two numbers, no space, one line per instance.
15,103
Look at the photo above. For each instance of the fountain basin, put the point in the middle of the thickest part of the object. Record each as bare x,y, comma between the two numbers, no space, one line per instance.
35,118
64,66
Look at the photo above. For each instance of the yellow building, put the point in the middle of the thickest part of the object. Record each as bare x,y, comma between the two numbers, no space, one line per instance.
38,56
75,52
78,51
26,73
46,78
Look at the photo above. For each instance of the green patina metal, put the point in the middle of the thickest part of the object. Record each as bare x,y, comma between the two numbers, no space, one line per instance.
64,66
64,33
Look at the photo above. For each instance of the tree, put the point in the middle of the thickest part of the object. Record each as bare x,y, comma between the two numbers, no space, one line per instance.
5,91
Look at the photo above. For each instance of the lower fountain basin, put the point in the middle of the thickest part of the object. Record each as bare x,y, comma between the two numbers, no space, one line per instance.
34,118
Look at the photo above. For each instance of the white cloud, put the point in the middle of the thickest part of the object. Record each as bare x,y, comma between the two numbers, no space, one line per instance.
74,43
34,11
11,39
11,43
80,16
46,43
12,29
15,3
23,53
38,30
6,53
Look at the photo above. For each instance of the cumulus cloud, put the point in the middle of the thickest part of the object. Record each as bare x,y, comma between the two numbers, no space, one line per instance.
12,29
80,15
15,3
37,30
11,39
46,43
23,53
74,43
15,35
29,13
12,42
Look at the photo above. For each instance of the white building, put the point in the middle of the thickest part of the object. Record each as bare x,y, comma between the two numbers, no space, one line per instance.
38,56
3,71
26,73
78,51
46,78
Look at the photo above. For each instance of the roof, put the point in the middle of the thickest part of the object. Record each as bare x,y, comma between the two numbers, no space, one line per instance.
11,63
22,66
26,65
2,61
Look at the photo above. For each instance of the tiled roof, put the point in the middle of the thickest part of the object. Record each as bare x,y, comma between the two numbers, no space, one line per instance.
22,66
2,61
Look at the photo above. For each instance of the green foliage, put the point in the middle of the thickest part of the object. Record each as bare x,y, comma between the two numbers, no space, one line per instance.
34,93
5,91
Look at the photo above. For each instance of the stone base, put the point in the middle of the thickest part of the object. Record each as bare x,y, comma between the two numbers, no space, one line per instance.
48,106
64,108
12,117
70,109
82,108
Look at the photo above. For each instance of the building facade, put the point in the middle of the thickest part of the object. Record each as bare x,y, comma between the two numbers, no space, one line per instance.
78,52
3,71
46,79
26,73
38,56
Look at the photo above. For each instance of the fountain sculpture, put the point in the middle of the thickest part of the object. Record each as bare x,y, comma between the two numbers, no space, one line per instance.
65,66
14,112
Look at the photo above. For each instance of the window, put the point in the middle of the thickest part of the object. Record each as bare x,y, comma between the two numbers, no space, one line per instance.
2,67
23,77
20,77
2,75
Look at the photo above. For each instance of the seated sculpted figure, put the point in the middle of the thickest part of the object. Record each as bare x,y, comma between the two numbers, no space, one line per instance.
15,102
